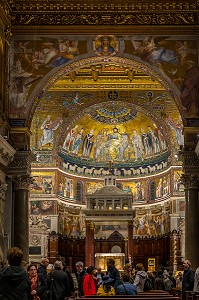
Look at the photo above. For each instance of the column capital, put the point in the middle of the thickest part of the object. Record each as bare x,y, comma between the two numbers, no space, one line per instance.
190,181
22,182
190,161
21,164
90,224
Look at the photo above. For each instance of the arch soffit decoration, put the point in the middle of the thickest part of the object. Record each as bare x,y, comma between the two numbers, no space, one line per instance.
79,62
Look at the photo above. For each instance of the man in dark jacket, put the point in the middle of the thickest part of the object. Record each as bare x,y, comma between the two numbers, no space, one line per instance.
14,281
80,277
60,286
188,278
113,272
42,269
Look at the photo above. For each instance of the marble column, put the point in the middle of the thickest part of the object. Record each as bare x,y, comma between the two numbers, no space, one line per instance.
21,214
89,245
130,240
191,183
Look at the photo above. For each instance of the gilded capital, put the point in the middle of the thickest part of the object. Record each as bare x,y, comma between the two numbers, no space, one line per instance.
190,161
90,224
22,182
21,163
190,181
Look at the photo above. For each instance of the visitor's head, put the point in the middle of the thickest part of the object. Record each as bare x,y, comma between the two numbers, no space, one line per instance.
45,261
139,267
110,262
32,270
127,267
79,266
14,256
58,264
186,264
91,270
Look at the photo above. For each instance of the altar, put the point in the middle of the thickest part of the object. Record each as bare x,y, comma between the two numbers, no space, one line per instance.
101,260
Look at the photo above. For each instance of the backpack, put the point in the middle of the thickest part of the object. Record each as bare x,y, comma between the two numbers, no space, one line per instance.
168,284
148,285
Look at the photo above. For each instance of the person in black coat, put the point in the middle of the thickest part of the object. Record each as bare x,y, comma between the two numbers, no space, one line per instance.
80,277
38,283
59,285
188,278
42,269
113,273
14,281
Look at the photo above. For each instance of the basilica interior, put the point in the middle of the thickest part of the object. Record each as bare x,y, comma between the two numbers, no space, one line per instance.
99,114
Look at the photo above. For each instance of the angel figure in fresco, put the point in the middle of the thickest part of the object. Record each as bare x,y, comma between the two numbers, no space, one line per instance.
184,49
58,52
48,128
74,99
151,50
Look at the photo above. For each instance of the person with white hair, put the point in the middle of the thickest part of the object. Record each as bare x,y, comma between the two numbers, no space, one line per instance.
188,278
59,284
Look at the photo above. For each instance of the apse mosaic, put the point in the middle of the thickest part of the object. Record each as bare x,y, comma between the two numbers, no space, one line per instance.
91,142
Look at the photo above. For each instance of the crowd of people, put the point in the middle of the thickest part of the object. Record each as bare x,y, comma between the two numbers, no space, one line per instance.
39,282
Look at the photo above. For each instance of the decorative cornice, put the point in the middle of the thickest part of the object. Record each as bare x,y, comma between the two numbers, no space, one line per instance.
92,12
105,18
94,5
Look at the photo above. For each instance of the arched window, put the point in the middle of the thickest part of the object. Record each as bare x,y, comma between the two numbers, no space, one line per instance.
79,194
152,191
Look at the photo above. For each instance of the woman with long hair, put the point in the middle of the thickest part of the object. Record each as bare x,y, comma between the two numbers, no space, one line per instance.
38,284
105,289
